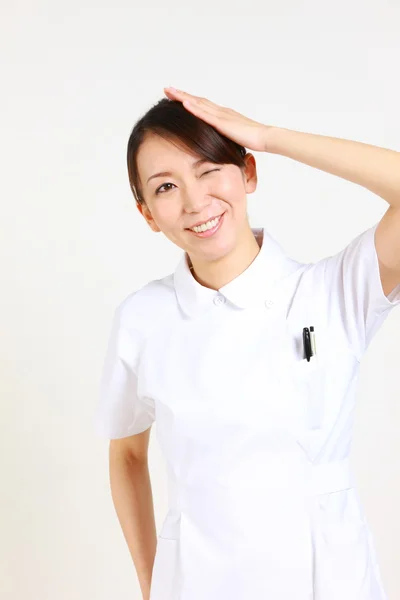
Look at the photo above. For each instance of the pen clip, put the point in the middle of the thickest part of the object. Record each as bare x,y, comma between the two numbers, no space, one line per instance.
312,341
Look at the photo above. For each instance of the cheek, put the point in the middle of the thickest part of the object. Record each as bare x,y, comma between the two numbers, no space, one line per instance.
165,214
231,188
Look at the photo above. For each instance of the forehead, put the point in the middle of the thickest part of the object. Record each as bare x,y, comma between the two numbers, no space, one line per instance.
156,151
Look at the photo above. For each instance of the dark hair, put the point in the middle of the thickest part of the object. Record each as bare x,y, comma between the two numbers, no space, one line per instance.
170,120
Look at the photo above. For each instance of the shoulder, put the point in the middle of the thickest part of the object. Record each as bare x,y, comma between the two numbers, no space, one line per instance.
147,306
350,258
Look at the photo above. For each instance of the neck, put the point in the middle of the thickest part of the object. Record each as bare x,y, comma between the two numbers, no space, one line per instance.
215,274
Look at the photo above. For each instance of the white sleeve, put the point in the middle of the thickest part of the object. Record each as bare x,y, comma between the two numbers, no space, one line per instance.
352,281
121,412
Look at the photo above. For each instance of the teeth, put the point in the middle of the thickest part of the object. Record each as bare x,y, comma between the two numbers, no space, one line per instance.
205,226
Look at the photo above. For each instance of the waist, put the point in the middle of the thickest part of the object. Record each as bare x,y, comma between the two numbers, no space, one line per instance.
231,505
304,479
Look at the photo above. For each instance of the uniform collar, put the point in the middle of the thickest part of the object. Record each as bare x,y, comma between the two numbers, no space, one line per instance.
250,288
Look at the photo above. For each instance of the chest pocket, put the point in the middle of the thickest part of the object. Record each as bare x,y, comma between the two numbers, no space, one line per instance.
306,380
303,369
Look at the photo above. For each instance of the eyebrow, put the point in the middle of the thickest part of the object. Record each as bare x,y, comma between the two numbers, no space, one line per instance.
197,163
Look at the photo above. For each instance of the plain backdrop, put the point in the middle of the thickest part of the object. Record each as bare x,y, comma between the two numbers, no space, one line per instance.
75,76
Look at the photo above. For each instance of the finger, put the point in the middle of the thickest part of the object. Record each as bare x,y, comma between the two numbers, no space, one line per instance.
181,96
198,99
200,110
180,93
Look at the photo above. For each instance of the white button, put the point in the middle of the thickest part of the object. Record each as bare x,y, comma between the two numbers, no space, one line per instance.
269,303
218,300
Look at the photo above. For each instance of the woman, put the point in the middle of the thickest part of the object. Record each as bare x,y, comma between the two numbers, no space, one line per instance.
254,413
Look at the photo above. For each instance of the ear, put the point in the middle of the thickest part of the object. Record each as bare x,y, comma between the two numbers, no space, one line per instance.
250,173
146,214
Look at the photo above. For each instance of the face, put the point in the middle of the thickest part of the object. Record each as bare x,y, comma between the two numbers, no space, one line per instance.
192,194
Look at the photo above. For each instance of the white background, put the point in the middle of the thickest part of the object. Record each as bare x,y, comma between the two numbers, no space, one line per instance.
75,76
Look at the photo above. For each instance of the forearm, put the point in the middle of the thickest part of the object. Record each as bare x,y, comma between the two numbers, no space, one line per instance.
372,167
133,501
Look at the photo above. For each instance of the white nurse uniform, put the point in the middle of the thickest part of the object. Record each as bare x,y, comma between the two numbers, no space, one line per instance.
256,439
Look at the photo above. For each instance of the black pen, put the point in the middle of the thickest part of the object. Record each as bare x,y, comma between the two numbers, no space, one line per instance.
307,343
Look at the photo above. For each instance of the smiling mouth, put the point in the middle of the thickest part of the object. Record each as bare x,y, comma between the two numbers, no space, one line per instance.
205,224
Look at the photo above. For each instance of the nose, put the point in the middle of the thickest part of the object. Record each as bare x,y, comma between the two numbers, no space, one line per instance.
196,202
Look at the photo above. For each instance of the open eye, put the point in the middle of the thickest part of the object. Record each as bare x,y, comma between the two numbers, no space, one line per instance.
161,186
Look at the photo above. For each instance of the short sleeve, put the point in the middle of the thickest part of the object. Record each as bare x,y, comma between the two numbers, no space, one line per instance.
353,285
121,412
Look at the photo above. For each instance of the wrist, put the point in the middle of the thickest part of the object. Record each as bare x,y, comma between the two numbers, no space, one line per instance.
271,139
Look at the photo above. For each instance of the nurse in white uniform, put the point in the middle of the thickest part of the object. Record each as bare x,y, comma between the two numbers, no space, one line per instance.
255,436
